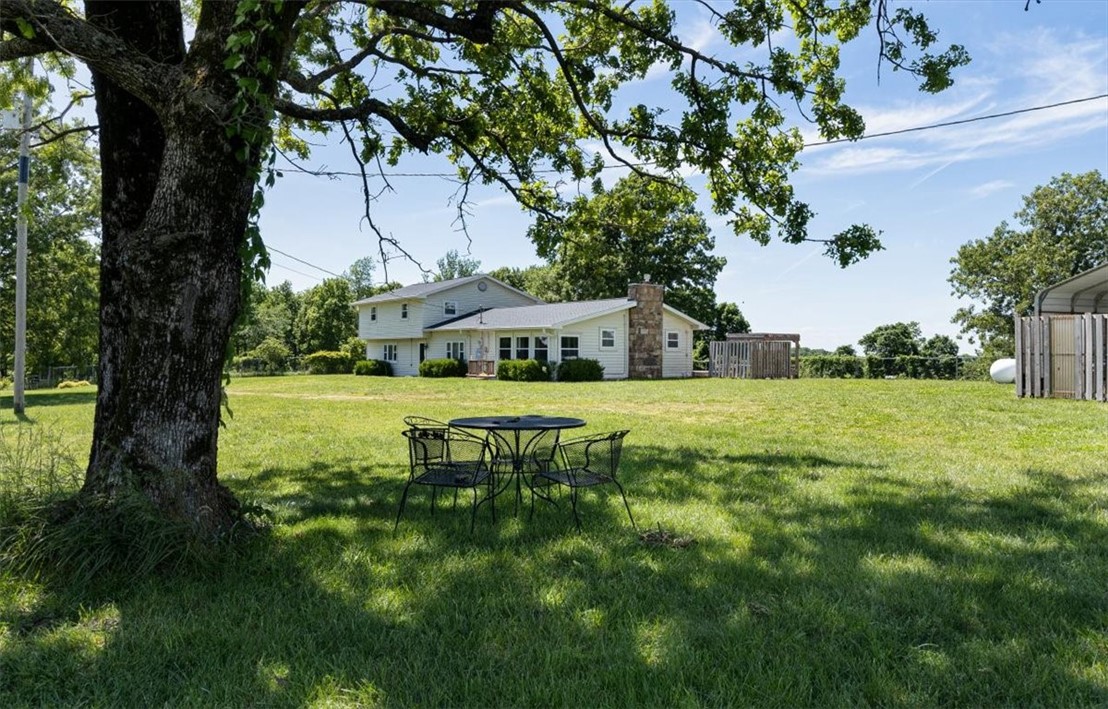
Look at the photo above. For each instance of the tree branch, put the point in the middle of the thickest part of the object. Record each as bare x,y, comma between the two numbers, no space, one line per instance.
60,30
362,111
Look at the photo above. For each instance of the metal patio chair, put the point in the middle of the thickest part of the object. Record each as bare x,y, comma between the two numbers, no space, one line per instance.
450,459
586,462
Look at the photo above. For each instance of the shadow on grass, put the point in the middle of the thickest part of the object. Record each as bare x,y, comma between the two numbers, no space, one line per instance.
897,592
50,397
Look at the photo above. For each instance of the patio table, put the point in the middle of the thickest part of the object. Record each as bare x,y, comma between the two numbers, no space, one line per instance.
510,430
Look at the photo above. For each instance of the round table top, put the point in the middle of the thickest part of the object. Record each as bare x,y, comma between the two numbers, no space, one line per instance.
518,423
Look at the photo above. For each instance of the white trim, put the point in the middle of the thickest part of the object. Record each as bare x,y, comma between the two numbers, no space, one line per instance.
600,338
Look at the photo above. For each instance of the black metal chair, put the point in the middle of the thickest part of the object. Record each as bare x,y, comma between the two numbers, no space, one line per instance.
586,462
447,458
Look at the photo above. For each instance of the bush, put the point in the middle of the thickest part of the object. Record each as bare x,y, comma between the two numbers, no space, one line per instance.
580,370
328,362
373,368
273,354
443,368
72,383
831,366
354,349
523,370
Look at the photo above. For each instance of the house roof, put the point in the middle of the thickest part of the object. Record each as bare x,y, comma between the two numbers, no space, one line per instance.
1084,293
547,315
420,291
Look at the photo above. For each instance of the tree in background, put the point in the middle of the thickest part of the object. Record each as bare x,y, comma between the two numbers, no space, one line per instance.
360,277
846,351
454,265
1062,231
326,319
542,281
897,339
62,259
507,90
270,314
939,346
639,227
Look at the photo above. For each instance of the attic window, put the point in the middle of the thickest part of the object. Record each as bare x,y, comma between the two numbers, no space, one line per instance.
450,307
373,314
404,311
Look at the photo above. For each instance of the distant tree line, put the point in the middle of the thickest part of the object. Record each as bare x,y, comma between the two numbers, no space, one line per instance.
894,350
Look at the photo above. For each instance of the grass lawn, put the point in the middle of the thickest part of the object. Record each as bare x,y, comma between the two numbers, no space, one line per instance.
890,543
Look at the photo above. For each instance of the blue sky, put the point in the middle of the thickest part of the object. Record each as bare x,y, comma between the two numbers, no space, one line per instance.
928,191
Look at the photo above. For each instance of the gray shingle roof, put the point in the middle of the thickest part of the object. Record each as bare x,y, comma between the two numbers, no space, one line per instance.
420,290
549,315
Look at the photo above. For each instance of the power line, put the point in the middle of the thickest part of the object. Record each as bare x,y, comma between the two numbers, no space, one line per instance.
958,122
278,264
300,260
946,124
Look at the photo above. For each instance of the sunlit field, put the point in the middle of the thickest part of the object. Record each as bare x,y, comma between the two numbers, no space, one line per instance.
800,543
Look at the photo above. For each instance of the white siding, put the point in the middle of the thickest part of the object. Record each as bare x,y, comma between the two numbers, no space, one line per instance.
407,355
588,331
678,362
389,325
470,300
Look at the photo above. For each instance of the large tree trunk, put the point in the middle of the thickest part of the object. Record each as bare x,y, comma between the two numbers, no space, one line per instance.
175,207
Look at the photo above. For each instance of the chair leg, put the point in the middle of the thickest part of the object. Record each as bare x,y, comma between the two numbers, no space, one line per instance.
625,504
403,499
473,512
573,500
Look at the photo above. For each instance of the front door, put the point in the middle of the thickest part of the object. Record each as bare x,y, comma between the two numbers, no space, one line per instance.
422,351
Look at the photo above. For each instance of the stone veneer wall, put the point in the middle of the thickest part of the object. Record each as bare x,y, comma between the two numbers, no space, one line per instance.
644,341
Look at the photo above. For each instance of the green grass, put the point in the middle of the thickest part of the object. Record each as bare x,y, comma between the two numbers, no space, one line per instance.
856,543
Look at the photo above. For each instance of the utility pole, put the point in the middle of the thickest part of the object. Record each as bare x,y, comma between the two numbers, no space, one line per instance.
21,250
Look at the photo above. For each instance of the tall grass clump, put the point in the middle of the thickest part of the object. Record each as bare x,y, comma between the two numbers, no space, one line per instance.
49,528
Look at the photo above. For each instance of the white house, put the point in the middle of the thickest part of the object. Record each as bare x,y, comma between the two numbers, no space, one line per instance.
482,320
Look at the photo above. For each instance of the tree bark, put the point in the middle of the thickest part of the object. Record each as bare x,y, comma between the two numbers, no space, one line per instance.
175,207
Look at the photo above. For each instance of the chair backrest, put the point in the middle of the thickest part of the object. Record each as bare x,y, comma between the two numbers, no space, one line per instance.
598,453
426,446
422,422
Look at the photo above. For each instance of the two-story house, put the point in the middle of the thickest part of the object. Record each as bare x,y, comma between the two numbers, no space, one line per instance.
482,320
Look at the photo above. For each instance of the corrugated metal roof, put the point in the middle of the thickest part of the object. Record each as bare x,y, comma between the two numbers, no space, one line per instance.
1084,293
549,315
421,290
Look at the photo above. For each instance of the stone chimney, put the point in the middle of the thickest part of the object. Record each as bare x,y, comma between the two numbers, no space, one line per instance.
644,339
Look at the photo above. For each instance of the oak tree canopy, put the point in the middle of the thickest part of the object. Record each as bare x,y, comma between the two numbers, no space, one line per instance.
524,95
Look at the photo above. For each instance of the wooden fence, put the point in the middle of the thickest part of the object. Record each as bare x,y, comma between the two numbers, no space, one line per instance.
1062,356
752,359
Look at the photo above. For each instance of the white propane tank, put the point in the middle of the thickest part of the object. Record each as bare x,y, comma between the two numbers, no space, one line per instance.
1003,371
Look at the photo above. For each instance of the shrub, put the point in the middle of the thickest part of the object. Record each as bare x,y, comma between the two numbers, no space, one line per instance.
72,383
523,370
831,366
373,368
443,368
354,349
328,362
273,355
580,370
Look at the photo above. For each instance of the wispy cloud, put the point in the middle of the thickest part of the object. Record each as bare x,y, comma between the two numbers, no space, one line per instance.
1037,70
991,187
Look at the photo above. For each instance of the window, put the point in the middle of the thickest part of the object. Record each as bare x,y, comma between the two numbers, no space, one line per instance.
570,347
373,314
403,311
673,340
505,348
542,348
389,354
607,338
456,350
523,346
450,307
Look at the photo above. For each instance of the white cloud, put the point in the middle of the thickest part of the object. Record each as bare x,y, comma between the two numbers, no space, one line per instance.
991,187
